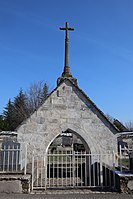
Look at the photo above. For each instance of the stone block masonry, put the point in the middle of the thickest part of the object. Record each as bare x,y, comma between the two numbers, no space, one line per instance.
68,107
10,183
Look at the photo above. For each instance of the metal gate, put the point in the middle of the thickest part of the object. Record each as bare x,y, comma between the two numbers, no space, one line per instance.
70,169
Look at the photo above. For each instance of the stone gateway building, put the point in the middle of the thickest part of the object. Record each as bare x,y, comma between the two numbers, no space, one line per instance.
68,109
68,123
66,143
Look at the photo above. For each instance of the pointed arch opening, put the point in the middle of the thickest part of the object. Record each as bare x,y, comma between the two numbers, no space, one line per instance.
69,140
68,160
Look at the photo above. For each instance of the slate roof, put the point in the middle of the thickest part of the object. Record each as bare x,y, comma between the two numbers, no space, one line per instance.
13,133
127,134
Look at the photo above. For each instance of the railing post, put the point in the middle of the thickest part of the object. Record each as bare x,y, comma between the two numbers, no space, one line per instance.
101,171
25,159
45,166
73,167
8,157
114,170
32,171
4,157
120,159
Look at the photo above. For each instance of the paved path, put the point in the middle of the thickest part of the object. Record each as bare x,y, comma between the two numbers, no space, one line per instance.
67,196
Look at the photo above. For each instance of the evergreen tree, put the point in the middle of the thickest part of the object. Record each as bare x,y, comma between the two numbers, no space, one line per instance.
8,116
3,124
16,111
21,111
23,105
45,91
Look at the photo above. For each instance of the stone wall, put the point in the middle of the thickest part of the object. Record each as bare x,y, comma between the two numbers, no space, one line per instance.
15,183
125,184
67,108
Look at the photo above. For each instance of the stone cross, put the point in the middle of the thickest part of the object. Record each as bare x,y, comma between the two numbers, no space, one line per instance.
66,72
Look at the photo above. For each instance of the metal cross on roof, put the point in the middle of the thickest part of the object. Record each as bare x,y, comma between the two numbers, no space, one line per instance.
66,72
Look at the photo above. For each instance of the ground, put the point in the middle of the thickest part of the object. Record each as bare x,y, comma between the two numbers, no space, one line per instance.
67,196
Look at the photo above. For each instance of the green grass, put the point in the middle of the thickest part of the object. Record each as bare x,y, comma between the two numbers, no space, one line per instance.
125,162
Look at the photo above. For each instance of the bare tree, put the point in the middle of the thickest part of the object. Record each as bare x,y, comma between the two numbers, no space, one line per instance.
36,94
129,125
110,118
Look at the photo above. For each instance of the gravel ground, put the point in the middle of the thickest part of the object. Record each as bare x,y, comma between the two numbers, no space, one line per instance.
68,196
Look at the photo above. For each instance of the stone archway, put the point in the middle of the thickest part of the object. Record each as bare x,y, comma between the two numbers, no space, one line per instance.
64,166
68,160
71,140
88,142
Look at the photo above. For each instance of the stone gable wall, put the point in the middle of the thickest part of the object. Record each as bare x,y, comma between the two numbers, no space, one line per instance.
67,108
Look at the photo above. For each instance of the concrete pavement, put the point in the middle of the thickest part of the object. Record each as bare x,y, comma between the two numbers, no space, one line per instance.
68,196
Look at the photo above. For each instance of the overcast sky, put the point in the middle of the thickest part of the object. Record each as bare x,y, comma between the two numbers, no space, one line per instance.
101,49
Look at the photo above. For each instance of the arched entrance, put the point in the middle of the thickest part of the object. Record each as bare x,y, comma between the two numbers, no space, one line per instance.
69,163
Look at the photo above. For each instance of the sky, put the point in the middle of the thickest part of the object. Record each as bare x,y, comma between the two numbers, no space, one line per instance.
101,49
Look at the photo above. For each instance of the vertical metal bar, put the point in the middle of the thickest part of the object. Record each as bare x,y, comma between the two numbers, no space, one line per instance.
77,166
32,183
110,170
41,168
101,171
25,159
53,170
12,158
85,170
94,170
57,169
99,182
73,166
66,167
62,169
20,158
4,157
97,171
81,160
120,158
128,151
70,168
45,167
89,162
43,171
113,169
8,157
16,157
37,170
105,171
49,163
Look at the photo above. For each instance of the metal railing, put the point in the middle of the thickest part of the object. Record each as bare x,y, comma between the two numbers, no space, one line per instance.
65,169
124,158
13,158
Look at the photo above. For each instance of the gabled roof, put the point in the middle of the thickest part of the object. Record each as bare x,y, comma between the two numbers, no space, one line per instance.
120,126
